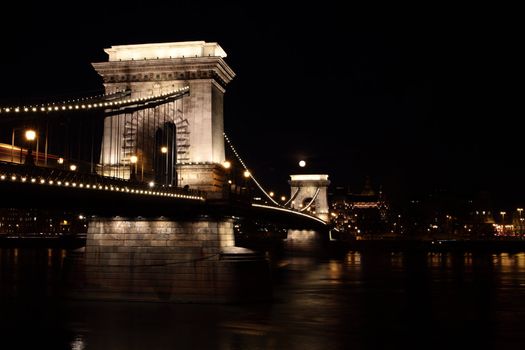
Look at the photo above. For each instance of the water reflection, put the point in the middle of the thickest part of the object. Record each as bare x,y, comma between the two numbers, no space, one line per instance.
369,299
78,343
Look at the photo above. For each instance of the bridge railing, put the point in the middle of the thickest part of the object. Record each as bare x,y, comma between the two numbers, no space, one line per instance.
31,173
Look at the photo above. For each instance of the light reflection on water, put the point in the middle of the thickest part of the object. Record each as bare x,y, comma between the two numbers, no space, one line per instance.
371,299
78,342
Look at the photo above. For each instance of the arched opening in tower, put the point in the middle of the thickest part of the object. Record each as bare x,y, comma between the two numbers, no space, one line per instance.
166,155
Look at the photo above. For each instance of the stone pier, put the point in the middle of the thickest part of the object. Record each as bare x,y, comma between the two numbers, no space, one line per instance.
306,242
169,260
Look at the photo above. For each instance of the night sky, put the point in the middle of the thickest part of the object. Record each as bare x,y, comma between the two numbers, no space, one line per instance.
418,99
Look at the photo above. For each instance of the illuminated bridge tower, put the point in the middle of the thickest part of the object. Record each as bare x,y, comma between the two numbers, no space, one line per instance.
309,194
189,131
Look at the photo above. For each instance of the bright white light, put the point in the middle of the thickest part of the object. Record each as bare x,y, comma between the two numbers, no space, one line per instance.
30,135
312,177
226,164
72,167
164,149
302,163
151,184
133,159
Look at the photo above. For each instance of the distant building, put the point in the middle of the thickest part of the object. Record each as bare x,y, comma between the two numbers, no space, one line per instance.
37,222
361,214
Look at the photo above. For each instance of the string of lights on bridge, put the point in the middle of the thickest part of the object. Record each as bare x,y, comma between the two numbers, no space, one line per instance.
248,171
107,96
89,106
81,185
281,207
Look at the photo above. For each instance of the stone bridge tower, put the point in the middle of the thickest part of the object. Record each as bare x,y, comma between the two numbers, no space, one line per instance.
308,193
153,69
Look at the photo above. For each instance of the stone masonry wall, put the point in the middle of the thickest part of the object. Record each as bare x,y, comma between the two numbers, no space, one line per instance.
166,260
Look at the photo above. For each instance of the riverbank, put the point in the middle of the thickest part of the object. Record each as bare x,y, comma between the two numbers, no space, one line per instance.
509,245
66,242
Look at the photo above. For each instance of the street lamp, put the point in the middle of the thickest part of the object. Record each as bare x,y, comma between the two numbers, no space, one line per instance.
133,171
164,151
30,136
503,221
246,185
520,231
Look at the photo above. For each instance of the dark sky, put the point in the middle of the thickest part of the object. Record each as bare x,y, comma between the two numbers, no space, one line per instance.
417,98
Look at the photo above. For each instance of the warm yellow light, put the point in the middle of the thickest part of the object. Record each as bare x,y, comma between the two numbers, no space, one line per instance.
30,135
283,198
72,167
226,164
164,149
246,173
60,160
151,184
133,159
302,163
309,177
271,194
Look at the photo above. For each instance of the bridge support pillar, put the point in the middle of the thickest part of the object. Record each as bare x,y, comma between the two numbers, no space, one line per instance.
203,177
170,260
306,242
308,194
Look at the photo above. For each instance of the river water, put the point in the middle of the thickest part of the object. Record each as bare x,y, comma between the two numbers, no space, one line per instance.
355,300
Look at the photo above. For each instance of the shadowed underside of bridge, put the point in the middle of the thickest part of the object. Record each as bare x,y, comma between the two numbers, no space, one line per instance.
110,203
31,187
